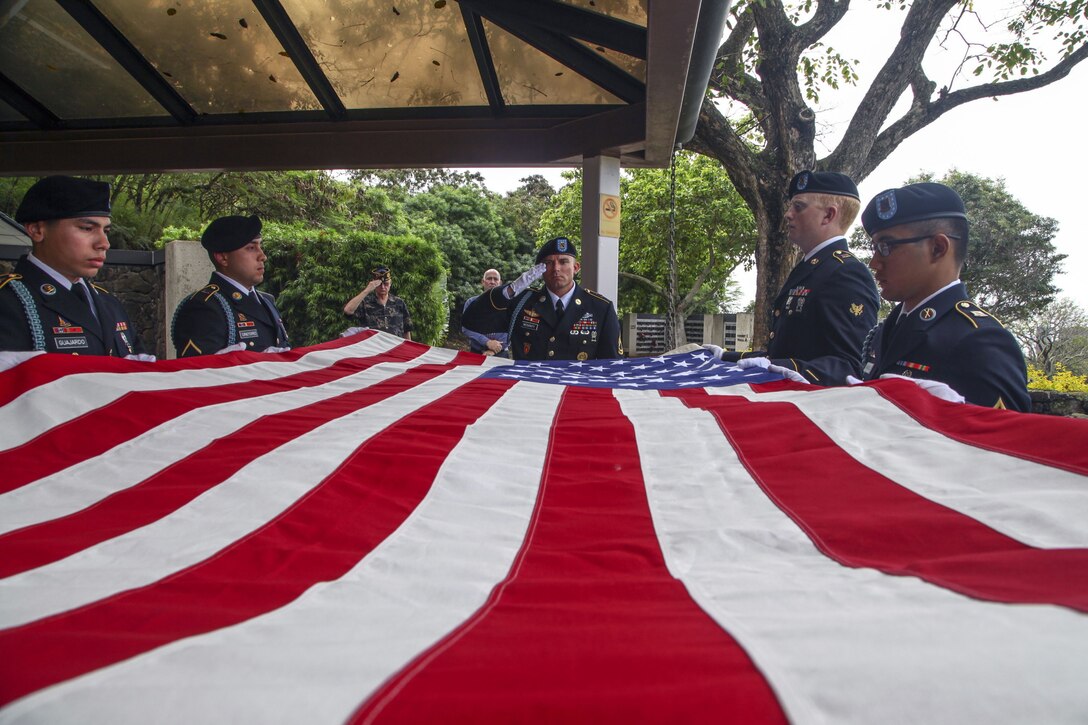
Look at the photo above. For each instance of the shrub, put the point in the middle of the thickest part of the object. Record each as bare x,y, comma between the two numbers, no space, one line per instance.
1063,380
313,272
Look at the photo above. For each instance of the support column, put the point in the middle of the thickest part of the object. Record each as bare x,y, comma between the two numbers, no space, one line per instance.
187,270
600,252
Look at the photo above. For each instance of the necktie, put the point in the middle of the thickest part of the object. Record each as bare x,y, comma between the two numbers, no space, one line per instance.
559,308
81,292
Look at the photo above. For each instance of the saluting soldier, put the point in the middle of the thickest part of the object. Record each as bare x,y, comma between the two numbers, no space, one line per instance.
829,302
380,310
49,303
230,310
564,321
919,238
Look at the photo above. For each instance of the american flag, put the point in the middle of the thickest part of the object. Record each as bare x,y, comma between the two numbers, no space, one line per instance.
374,530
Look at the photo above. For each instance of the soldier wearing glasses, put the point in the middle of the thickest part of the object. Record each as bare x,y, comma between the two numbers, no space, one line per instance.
380,311
919,238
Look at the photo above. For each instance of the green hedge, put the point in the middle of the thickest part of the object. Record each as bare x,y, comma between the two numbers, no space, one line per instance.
313,273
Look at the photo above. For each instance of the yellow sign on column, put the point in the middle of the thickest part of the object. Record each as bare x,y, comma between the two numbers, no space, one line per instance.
610,215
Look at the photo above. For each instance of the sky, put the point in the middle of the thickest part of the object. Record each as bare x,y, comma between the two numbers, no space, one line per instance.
1034,140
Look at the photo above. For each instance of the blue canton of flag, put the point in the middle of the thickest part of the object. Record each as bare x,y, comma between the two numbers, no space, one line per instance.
697,369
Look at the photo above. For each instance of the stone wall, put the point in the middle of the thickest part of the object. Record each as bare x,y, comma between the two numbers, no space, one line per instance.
1049,402
140,290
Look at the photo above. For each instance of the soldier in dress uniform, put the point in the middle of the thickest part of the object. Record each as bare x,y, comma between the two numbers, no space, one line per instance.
829,302
563,321
229,310
49,303
919,238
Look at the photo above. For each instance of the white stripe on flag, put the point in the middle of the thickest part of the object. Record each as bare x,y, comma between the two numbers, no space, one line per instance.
244,502
820,630
316,659
140,457
51,404
986,485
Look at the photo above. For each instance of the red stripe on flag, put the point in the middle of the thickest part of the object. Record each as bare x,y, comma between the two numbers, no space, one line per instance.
589,626
317,539
48,367
136,413
183,481
862,519
1053,441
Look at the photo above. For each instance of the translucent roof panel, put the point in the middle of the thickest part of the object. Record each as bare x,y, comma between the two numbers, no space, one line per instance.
7,113
220,56
381,54
633,11
46,53
634,66
530,77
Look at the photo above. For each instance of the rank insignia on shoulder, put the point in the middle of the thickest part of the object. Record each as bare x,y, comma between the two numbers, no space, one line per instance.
841,255
856,309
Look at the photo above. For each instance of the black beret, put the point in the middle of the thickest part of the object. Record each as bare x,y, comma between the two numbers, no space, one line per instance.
228,233
64,197
823,182
559,245
911,203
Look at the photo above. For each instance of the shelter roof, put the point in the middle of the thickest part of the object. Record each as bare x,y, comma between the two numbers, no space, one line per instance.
114,86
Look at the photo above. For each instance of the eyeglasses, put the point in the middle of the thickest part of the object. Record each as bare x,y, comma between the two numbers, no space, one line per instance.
884,246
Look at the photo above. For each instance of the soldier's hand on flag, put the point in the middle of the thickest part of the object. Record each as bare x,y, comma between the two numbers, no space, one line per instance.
934,387
714,350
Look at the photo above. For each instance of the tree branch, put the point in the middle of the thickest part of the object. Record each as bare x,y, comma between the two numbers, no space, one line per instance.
902,67
653,286
729,76
921,115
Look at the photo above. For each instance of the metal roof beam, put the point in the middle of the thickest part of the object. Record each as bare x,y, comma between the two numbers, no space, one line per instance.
135,64
485,64
594,28
574,55
281,24
26,104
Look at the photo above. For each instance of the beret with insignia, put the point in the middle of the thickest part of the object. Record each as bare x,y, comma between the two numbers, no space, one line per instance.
911,203
823,182
64,197
558,245
228,233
